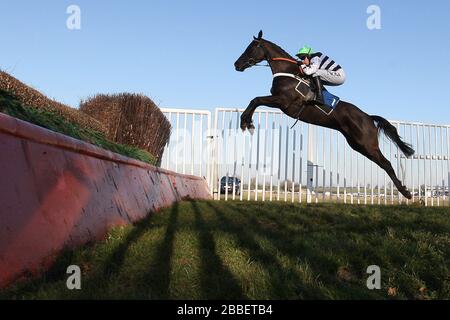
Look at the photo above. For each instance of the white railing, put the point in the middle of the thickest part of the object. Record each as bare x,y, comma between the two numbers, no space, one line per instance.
189,148
303,163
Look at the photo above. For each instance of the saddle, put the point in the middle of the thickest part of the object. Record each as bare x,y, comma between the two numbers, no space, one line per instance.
306,89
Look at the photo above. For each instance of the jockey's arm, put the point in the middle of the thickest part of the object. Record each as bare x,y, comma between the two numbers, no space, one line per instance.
312,67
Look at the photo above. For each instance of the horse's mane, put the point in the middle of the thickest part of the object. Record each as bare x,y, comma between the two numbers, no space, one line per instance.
278,48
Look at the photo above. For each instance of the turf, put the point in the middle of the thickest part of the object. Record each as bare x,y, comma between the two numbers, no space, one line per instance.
252,250
55,122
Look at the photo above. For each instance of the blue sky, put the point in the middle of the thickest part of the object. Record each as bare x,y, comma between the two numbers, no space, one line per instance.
181,53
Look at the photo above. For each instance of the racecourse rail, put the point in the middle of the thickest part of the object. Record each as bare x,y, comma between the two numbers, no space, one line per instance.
303,163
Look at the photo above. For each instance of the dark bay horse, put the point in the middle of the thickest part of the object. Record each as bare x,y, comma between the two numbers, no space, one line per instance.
358,127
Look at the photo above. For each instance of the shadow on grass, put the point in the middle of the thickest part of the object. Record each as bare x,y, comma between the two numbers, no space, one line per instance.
158,275
96,280
113,264
327,247
217,282
301,247
296,255
283,280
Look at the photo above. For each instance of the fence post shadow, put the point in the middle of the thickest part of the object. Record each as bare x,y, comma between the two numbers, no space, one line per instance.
281,279
217,281
159,274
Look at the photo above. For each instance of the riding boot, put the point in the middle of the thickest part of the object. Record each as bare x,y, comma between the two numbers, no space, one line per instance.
319,88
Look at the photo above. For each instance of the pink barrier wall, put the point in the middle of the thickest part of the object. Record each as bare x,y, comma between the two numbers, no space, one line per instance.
56,191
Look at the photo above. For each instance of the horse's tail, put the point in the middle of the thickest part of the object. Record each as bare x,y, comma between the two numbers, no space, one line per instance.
391,132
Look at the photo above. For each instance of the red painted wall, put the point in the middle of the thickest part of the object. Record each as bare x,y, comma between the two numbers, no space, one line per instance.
56,191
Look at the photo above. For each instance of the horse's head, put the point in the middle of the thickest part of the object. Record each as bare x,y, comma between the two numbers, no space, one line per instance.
252,55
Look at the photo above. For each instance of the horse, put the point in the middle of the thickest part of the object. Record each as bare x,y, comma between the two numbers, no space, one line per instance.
359,129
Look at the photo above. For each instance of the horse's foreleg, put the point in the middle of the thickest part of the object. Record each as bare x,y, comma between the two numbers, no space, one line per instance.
247,115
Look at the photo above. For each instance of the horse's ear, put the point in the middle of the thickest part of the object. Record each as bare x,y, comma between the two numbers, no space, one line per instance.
260,34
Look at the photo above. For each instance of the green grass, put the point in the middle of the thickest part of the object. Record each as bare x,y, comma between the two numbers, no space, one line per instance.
251,250
55,122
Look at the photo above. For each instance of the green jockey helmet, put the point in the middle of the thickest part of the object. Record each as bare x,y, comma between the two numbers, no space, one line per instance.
305,51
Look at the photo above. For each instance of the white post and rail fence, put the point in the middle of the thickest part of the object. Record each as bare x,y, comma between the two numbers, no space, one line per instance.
303,163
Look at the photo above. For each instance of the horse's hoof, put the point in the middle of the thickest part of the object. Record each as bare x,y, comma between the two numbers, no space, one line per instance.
407,194
251,130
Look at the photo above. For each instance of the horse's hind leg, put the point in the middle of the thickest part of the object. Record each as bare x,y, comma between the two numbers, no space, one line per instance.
372,151
386,165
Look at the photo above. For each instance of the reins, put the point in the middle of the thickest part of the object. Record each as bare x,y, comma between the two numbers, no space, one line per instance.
269,58
285,59
278,59
288,60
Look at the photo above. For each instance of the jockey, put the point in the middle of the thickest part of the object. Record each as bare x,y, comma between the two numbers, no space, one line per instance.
321,68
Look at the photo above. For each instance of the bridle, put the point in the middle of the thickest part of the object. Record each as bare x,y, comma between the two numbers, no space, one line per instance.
252,62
